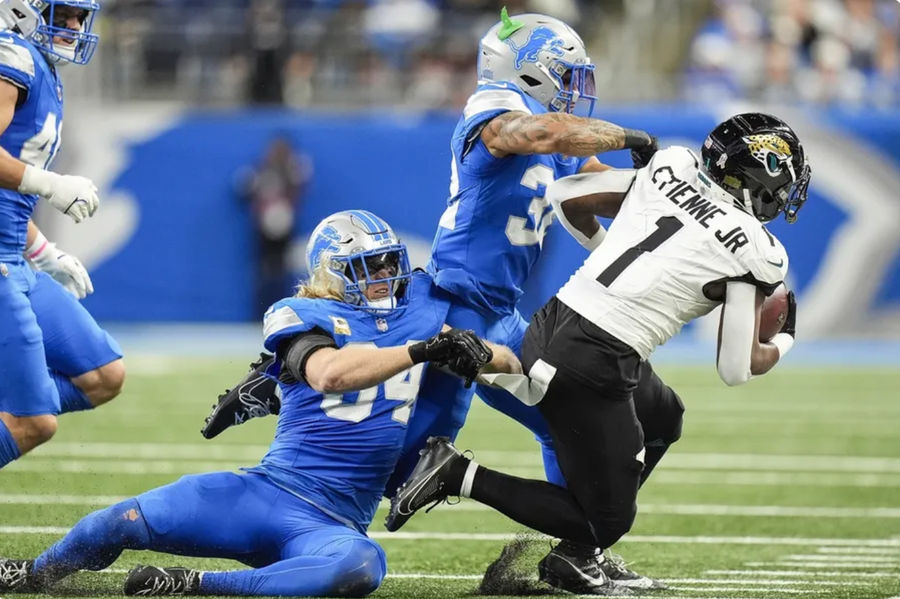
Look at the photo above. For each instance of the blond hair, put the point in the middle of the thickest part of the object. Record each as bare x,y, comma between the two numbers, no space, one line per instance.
321,285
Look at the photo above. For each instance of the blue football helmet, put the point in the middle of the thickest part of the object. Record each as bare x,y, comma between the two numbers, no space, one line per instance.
40,21
353,247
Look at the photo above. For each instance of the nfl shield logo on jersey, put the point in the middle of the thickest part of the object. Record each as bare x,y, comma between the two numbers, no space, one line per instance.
381,324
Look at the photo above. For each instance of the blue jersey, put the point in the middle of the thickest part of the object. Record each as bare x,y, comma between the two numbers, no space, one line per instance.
490,236
337,451
33,134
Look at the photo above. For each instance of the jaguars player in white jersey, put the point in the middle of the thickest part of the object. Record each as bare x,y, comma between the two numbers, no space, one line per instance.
688,235
54,358
519,131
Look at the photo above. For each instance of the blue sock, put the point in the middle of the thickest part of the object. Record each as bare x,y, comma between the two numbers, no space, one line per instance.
354,569
551,465
9,449
95,542
71,398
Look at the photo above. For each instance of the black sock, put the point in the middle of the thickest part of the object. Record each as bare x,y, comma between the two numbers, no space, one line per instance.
540,505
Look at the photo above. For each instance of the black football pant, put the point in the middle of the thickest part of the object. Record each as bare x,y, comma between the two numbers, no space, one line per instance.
599,439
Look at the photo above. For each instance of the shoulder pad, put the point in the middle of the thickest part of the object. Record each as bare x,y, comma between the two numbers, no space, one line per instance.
288,317
16,61
679,158
765,258
495,98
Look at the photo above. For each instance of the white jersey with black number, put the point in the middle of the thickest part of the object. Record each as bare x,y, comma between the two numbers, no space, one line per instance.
675,235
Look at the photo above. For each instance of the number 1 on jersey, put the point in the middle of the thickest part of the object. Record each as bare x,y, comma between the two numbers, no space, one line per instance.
665,228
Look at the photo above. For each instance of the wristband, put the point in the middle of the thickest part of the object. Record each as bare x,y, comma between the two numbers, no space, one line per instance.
783,342
36,181
417,352
37,247
635,138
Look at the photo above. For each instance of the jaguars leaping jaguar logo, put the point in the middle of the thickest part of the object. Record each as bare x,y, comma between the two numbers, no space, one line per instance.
770,150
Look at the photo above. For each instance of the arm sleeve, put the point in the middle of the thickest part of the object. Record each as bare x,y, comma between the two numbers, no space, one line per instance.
297,350
576,186
738,321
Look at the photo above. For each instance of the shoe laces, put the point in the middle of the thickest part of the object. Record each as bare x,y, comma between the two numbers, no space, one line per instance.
615,561
13,572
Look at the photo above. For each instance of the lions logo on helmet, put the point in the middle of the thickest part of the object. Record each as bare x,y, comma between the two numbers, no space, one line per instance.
543,56
42,22
355,249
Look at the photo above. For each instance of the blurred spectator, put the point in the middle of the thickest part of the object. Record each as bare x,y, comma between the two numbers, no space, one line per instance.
818,51
274,191
268,35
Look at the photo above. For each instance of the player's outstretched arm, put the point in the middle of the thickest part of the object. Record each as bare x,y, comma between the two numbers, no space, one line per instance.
352,367
74,196
578,199
741,354
517,132
504,361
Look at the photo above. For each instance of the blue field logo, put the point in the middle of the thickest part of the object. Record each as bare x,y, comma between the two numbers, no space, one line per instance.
542,38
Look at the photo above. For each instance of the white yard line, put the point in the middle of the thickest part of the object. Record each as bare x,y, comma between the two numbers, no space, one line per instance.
860,550
810,573
461,536
818,557
677,461
466,506
828,565
739,589
759,581
40,499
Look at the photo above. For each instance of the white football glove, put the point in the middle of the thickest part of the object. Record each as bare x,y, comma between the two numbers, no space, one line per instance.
66,269
72,195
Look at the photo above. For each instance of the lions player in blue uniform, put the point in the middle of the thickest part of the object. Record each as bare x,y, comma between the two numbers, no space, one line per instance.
54,358
349,364
518,133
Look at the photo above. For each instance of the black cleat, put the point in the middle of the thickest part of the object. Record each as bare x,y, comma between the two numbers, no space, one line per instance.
577,569
254,397
618,572
150,581
431,481
15,576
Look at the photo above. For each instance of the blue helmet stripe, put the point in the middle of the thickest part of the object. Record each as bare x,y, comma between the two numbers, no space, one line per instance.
375,226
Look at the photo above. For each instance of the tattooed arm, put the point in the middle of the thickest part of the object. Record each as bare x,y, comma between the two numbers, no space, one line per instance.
556,133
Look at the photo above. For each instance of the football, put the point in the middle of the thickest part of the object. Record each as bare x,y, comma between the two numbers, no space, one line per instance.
774,313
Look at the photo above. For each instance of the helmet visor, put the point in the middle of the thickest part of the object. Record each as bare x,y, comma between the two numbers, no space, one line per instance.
60,40
576,88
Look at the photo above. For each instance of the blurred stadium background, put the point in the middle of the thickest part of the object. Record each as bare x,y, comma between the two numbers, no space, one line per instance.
208,122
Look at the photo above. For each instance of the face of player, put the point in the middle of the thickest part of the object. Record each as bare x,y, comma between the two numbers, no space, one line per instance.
68,17
381,266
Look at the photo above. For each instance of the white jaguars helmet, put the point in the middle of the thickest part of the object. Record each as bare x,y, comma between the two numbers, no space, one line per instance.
543,56
41,21
351,247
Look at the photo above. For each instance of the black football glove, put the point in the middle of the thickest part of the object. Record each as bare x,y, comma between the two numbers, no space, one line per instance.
459,350
790,321
472,355
641,155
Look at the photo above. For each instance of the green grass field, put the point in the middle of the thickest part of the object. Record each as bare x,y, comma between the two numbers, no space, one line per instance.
788,487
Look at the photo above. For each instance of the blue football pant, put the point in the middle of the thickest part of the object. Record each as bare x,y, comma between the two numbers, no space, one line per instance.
45,328
293,548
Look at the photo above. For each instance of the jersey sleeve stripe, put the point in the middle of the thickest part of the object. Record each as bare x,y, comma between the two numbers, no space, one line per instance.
493,100
279,320
12,81
16,58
